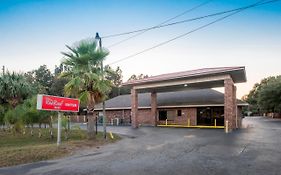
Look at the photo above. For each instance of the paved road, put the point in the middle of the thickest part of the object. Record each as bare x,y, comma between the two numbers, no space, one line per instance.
256,149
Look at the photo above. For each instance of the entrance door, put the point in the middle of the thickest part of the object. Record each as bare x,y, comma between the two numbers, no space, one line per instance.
206,116
167,114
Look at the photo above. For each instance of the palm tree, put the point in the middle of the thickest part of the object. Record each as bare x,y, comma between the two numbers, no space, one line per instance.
83,69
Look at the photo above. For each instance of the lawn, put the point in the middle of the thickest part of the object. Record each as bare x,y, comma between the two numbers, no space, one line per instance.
17,148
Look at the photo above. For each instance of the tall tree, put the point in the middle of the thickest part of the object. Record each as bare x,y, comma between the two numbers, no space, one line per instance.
115,76
269,97
41,78
44,77
264,95
85,76
57,87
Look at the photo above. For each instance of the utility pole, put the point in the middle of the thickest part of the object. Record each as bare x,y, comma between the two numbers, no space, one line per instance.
98,38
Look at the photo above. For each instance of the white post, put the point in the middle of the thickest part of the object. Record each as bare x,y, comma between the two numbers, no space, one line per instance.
226,126
59,129
117,121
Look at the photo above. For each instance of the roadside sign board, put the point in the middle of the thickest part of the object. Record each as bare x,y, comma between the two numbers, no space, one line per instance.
54,103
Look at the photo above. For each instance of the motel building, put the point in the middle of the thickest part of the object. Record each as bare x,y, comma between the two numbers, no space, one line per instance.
180,99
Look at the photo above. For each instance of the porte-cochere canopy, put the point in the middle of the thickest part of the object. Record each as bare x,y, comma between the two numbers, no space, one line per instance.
187,80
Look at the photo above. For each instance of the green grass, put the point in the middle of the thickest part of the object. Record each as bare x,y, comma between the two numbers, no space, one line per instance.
16,148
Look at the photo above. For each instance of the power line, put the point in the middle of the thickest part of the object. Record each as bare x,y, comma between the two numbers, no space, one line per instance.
168,20
194,30
187,20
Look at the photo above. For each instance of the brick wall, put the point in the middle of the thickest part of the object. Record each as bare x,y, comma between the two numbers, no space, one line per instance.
123,115
145,117
187,113
78,118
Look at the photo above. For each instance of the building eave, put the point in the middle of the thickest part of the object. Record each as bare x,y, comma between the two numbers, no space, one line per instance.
170,106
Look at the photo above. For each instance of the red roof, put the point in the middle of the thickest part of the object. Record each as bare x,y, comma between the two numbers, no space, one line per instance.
186,74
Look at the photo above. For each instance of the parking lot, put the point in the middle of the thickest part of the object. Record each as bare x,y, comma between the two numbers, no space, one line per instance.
255,149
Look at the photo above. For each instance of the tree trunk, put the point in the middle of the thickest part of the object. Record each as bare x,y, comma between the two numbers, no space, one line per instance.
91,118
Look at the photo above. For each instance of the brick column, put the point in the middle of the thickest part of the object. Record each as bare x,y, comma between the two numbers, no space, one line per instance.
192,115
134,108
235,108
229,104
154,108
239,115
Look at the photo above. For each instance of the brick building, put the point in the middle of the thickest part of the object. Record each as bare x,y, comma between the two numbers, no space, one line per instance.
201,107
180,98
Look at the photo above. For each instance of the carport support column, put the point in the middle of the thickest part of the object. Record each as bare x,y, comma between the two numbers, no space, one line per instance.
154,107
235,108
229,105
134,108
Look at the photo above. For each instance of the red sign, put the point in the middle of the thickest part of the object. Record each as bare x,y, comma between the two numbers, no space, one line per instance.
54,103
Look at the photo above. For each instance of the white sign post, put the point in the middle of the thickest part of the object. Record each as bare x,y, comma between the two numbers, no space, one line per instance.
54,103
59,129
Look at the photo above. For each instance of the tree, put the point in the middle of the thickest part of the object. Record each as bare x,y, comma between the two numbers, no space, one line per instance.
269,97
85,76
264,95
44,77
58,69
115,76
137,77
57,87
41,79
14,88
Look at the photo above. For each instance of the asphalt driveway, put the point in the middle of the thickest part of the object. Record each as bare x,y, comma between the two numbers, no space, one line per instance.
256,149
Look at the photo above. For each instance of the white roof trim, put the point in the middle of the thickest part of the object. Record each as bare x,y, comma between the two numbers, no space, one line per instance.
177,106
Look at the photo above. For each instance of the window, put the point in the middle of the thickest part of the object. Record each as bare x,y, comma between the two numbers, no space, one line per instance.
179,113
162,115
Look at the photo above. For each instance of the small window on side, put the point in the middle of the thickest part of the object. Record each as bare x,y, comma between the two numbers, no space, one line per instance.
179,113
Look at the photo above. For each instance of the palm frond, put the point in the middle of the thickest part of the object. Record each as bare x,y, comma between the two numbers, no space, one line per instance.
67,54
73,50
84,96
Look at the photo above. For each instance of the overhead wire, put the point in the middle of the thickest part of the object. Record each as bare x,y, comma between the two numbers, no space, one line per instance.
194,30
164,22
183,21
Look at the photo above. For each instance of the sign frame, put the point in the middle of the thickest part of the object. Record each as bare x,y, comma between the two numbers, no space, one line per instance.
39,105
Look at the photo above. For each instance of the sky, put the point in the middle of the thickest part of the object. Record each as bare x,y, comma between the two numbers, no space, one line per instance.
34,32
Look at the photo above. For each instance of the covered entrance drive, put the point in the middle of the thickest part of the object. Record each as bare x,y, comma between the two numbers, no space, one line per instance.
189,80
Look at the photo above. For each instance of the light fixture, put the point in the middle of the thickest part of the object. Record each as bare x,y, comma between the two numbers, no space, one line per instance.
185,85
